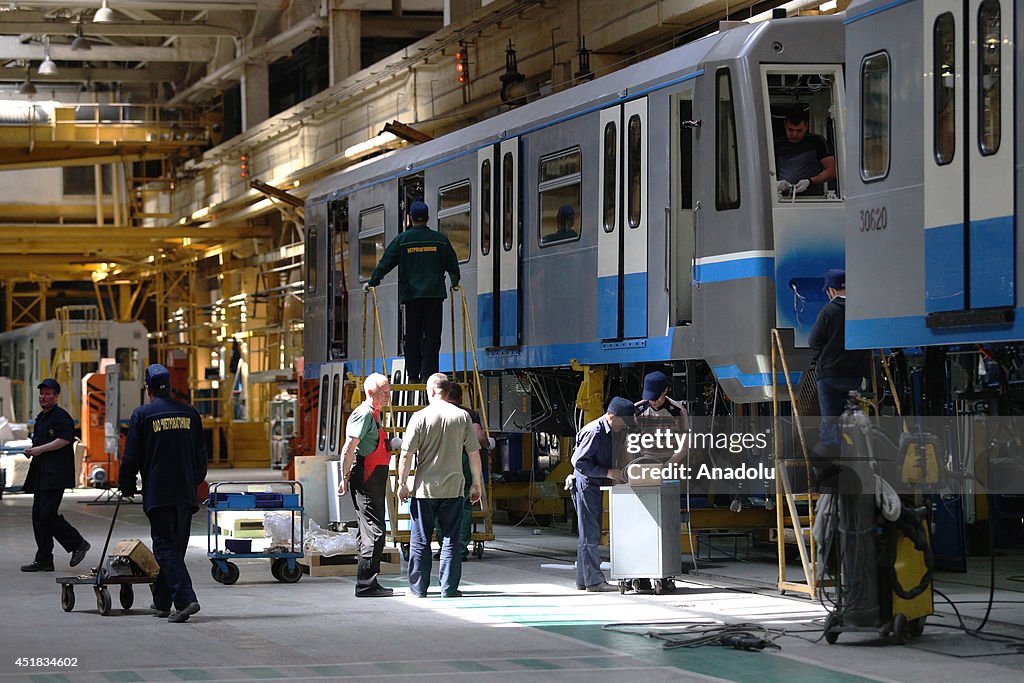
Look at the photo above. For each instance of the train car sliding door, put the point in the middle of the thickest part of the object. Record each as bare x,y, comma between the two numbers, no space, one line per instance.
969,174
622,222
499,310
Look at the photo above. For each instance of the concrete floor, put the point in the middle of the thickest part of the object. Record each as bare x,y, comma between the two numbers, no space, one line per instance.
521,619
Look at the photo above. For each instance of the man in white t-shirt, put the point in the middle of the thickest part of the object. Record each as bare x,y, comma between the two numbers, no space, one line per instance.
436,436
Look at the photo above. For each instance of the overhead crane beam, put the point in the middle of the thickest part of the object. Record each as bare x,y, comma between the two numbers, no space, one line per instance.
155,29
11,47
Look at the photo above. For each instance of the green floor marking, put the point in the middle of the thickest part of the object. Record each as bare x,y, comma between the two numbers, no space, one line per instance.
50,678
333,670
261,672
122,676
470,667
401,667
535,664
720,662
192,674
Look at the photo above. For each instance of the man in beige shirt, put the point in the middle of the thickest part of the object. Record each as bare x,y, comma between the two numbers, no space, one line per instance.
436,436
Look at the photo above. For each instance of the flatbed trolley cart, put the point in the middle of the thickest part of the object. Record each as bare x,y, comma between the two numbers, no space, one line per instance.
283,565
99,580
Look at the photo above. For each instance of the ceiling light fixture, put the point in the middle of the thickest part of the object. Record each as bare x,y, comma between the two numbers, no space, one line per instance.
80,44
48,67
27,88
104,15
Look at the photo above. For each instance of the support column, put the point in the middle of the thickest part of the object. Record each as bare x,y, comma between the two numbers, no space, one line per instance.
255,94
457,10
344,34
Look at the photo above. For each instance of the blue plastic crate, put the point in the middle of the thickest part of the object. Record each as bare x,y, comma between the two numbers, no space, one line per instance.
290,500
237,501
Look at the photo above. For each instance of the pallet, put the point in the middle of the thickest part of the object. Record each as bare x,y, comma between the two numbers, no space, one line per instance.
315,564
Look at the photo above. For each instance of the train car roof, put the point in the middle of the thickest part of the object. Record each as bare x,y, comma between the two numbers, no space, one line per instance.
633,81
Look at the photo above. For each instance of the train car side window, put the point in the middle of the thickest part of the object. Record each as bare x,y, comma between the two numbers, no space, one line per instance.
485,207
944,75
611,148
371,241
727,168
875,126
311,259
990,50
453,211
634,172
507,197
559,201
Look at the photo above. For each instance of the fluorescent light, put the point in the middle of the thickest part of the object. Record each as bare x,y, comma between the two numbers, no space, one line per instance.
828,6
370,145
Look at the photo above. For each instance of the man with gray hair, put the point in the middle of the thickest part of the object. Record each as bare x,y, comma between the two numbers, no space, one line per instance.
367,481
436,436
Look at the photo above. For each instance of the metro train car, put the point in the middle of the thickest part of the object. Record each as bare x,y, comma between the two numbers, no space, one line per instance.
633,219
935,181
27,355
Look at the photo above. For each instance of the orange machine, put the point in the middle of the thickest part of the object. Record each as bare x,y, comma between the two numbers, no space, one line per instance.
98,468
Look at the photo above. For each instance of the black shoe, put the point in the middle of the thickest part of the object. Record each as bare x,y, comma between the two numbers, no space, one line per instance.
37,567
437,555
580,587
183,614
157,612
79,553
378,592
454,594
603,587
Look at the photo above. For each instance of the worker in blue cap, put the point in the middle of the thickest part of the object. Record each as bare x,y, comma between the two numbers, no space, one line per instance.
840,370
658,411
423,256
165,444
51,471
592,469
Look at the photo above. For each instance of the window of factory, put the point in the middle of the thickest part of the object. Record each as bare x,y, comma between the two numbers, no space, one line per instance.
944,75
727,166
875,127
453,215
990,49
485,207
559,187
371,241
82,180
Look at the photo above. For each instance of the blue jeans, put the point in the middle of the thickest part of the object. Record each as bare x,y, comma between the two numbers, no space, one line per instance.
589,501
447,512
832,395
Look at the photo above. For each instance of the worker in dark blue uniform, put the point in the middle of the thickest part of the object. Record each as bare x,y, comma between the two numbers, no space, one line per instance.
423,256
165,444
51,471
592,465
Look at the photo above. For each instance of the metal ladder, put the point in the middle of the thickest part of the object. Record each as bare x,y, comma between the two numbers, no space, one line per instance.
78,341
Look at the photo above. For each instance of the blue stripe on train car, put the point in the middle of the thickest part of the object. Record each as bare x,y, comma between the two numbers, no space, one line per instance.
608,307
508,333
992,262
634,305
912,330
944,268
754,379
485,319
738,269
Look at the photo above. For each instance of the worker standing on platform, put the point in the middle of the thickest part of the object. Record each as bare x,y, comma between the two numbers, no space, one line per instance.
592,463
165,443
367,480
436,435
51,471
423,256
